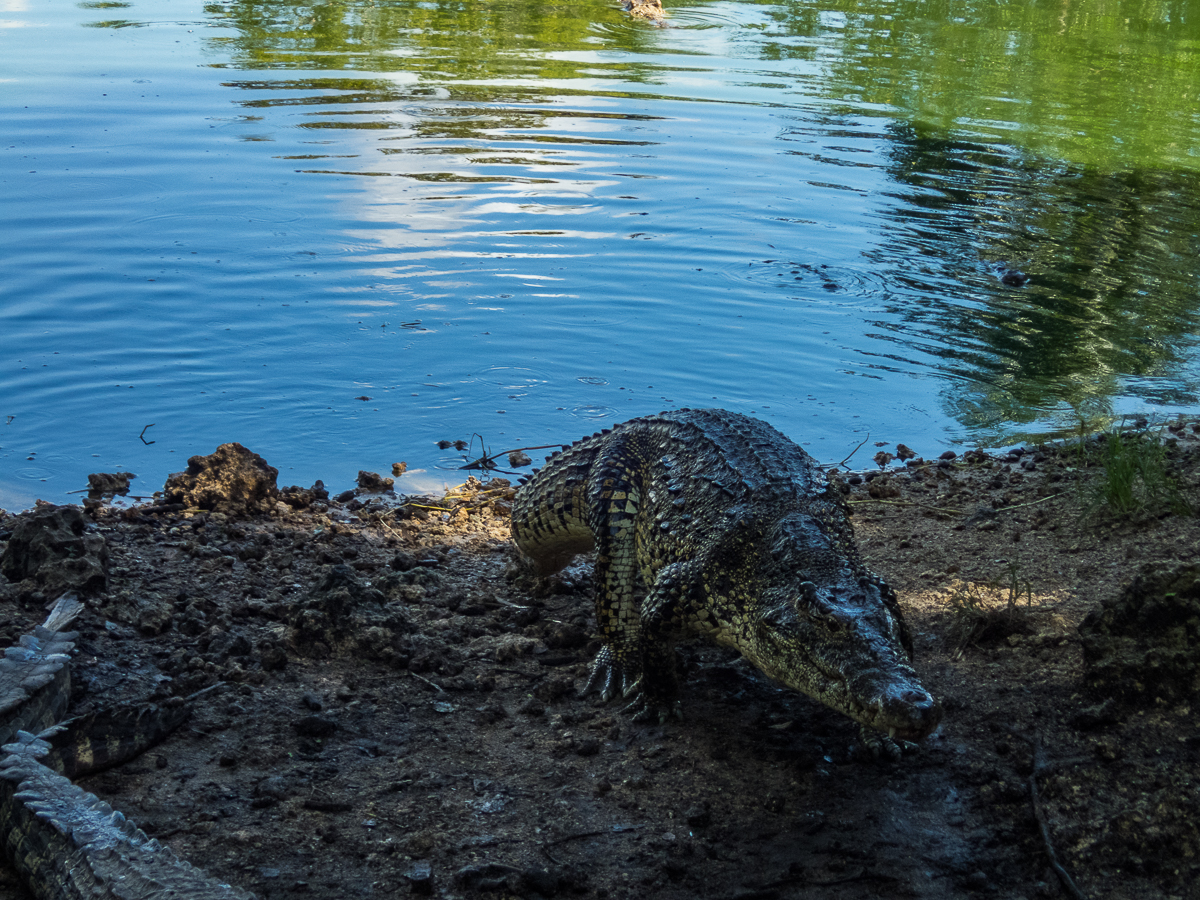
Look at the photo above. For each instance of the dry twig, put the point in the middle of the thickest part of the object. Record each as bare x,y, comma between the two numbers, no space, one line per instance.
1040,766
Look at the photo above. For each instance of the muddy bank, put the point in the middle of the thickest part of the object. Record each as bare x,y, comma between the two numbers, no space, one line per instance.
398,716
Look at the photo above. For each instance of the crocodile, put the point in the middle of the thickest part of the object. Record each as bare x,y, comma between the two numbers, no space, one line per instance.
652,10
66,843
733,533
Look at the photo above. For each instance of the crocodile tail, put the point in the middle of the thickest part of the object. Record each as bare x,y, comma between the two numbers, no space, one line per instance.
70,845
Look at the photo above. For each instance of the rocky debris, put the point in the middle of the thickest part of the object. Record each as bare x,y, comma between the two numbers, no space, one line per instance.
399,468
233,480
345,614
303,498
108,484
149,614
372,483
53,546
1144,644
882,488
518,458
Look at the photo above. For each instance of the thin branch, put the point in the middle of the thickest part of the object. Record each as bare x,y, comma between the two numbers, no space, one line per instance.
852,452
1040,766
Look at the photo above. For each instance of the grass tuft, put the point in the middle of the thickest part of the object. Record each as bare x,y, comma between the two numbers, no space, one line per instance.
1135,480
987,613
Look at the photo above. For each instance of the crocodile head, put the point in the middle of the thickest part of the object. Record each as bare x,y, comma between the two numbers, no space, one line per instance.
845,645
828,628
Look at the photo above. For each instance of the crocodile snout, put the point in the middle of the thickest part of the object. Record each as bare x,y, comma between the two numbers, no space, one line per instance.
909,713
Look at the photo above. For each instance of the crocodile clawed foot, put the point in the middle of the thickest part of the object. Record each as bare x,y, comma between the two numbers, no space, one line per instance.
644,709
609,677
874,746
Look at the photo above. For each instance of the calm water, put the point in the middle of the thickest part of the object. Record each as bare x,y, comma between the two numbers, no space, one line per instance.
238,221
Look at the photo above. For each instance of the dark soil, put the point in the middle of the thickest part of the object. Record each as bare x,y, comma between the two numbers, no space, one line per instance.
398,716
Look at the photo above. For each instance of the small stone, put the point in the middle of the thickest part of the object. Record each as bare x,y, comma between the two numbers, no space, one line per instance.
420,877
904,452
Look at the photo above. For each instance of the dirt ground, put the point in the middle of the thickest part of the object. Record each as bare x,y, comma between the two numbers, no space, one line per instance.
397,716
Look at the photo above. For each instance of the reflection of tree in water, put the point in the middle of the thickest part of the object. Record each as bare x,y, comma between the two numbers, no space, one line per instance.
479,72
444,40
1112,292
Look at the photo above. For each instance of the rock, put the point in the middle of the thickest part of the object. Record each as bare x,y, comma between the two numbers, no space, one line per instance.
905,453
233,480
1145,643
517,459
101,484
513,645
371,483
52,545
882,489
420,877
399,469
302,498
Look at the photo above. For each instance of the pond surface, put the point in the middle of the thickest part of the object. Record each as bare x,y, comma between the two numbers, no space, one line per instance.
339,232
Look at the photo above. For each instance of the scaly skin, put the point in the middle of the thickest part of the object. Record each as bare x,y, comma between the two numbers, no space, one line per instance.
736,536
645,9
66,843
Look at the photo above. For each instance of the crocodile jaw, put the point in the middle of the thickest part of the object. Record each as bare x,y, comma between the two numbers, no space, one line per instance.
891,701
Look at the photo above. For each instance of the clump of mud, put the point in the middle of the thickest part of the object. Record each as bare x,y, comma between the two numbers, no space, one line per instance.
108,484
232,479
52,546
1144,644
345,614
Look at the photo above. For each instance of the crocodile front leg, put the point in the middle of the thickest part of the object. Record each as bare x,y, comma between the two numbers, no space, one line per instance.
613,498
663,617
